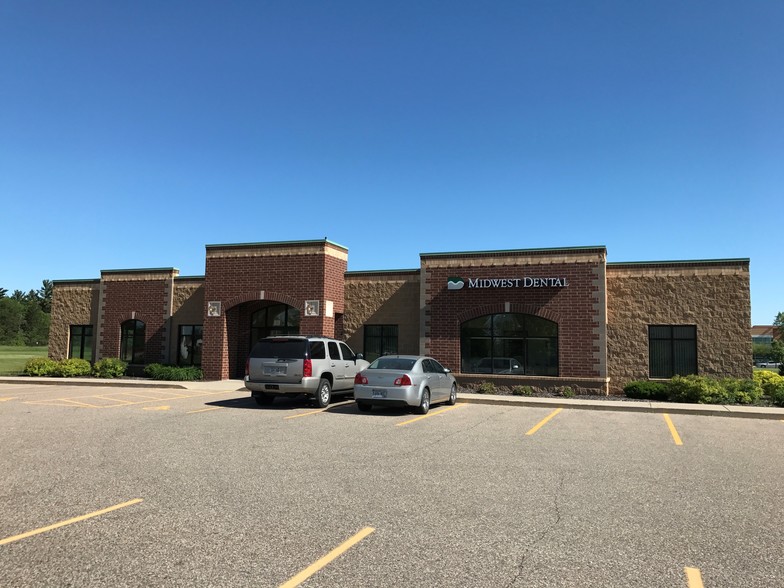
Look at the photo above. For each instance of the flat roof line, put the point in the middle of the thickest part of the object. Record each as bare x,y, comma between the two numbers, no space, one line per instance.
535,250
275,244
682,261
138,270
391,271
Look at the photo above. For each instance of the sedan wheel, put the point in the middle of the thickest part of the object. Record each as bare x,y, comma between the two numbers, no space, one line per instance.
324,394
452,395
424,404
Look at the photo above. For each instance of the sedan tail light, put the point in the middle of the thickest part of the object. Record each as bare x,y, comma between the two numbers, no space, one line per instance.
360,379
307,369
403,381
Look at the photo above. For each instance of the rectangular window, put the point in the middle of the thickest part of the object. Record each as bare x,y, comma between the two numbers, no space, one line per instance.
81,342
380,340
672,350
189,345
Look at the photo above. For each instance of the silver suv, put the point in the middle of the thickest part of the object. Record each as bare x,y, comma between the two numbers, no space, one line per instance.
317,366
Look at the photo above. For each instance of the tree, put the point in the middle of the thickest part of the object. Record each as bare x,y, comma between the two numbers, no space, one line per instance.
3,292
777,347
35,325
45,295
18,295
12,314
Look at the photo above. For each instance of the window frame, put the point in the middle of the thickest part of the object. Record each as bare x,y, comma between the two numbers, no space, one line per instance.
383,337
82,339
138,349
192,347
672,339
494,334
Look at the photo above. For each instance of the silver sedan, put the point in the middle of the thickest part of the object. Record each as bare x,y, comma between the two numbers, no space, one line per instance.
404,380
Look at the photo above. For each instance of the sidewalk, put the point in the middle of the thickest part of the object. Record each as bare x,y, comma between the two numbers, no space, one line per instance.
738,411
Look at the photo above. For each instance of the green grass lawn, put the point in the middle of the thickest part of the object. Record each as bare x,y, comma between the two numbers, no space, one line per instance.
13,359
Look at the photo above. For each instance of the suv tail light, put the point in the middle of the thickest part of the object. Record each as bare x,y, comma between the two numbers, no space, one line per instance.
360,379
307,368
404,381
247,367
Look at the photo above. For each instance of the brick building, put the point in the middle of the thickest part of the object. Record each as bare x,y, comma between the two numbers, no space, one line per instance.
542,317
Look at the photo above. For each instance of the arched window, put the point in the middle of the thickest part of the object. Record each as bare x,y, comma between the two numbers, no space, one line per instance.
276,319
509,343
132,342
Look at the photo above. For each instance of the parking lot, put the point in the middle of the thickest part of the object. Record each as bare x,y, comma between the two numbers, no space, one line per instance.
154,487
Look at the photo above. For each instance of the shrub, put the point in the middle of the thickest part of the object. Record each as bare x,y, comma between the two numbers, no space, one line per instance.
647,390
157,371
40,366
111,367
776,393
698,390
567,392
742,391
486,388
72,368
522,391
767,380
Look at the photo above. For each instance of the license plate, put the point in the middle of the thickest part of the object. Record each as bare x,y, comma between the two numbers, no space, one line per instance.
271,387
274,370
377,393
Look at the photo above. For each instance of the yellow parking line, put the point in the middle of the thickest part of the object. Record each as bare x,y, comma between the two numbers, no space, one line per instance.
318,411
69,522
332,555
302,414
693,577
675,436
424,416
543,422
204,409
8,398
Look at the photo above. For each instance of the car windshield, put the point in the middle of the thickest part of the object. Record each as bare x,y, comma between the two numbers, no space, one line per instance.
392,363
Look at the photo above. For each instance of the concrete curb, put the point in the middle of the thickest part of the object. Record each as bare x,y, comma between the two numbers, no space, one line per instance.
749,412
103,382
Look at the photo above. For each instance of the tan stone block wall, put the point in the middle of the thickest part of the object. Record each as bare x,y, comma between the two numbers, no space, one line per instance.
716,299
187,309
378,299
71,305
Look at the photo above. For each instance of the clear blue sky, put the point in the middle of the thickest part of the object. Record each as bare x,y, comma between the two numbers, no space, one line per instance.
134,133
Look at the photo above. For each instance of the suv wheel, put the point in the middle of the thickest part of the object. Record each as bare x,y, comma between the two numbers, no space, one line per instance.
324,393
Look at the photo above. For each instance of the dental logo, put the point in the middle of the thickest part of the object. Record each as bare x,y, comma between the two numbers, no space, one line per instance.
455,284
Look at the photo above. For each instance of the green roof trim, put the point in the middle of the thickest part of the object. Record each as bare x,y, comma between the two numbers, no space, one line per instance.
274,244
140,270
415,270
507,251
80,281
683,262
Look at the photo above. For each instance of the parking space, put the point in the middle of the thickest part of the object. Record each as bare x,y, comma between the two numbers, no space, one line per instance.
233,494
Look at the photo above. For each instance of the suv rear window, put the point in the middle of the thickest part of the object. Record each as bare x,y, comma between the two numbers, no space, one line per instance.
279,348
317,350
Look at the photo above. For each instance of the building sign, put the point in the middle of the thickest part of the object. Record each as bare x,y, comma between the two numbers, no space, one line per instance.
214,308
524,282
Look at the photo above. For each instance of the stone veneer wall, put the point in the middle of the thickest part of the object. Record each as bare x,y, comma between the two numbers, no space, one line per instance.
713,295
73,303
382,298
187,308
